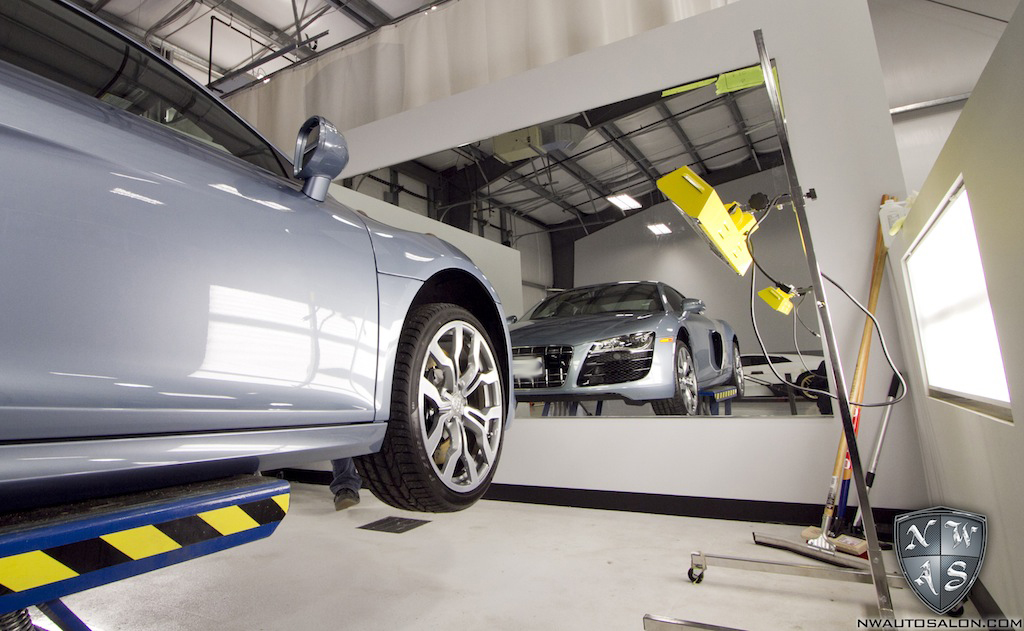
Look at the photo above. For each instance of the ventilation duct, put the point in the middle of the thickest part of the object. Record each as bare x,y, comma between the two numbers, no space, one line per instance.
531,142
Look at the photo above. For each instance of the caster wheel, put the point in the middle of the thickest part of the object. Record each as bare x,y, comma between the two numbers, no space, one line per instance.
956,612
696,578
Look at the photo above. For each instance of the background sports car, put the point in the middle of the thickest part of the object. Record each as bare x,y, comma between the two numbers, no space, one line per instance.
801,367
643,342
178,304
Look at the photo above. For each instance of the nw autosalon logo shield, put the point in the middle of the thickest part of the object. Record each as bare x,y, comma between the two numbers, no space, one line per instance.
940,551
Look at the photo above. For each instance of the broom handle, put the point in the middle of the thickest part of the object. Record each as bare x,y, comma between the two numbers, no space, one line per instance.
859,375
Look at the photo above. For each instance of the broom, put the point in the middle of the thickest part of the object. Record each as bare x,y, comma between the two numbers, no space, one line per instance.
821,537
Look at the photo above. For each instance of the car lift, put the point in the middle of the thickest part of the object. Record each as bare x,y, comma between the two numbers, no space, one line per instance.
875,572
711,397
52,552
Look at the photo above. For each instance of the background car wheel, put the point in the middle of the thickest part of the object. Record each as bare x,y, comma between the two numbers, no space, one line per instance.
808,380
737,371
444,437
685,401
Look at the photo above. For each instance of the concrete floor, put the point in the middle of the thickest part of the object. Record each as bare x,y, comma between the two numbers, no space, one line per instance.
497,566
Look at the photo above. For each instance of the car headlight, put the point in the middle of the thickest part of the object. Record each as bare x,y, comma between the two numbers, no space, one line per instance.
633,342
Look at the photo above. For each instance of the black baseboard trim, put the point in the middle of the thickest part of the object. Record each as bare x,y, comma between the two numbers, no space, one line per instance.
791,513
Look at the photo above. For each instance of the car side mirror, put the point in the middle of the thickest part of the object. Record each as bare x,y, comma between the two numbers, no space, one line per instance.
320,155
693,305
512,319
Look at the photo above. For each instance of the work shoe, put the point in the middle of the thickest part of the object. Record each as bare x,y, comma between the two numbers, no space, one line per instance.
345,498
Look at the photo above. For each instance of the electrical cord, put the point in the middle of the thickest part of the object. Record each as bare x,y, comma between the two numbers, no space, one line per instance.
796,344
874,321
881,339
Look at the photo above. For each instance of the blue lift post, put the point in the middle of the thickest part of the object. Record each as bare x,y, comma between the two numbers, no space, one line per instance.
49,553
711,397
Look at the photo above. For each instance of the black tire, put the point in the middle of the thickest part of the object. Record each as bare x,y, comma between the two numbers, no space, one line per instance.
811,380
466,427
737,371
686,401
804,381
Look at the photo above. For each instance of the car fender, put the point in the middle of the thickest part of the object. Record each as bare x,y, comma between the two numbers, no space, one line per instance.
408,264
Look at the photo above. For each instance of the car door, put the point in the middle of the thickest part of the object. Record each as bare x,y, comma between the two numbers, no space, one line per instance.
701,331
158,271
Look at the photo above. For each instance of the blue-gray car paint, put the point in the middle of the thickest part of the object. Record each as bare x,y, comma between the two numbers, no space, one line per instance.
127,252
668,326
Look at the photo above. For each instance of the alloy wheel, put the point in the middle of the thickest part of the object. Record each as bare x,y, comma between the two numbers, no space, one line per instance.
462,408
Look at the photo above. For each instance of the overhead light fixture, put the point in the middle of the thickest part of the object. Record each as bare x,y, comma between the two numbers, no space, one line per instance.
659,228
624,202
261,75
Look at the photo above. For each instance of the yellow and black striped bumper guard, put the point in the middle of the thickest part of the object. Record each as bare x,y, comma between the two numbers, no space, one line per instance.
54,556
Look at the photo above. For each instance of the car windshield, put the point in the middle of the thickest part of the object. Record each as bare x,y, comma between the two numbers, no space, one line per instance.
61,44
619,298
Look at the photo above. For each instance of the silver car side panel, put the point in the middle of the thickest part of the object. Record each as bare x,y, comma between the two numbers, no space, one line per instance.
24,464
420,256
142,270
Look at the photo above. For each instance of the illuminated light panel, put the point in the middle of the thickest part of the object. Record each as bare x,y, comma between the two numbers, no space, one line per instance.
624,202
659,228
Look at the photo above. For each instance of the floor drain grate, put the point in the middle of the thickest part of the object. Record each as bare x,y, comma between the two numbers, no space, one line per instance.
394,524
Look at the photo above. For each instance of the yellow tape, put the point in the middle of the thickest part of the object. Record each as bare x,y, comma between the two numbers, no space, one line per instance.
229,520
139,543
32,569
282,501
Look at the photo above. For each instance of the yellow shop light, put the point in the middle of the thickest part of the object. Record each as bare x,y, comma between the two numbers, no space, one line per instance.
777,299
724,227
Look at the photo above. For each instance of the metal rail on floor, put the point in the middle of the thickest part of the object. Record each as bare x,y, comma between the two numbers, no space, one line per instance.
49,553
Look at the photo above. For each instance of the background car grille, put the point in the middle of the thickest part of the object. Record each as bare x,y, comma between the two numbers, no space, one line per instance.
556,365
615,367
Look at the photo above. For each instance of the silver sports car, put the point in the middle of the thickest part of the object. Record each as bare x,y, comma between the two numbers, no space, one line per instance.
179,303
643,342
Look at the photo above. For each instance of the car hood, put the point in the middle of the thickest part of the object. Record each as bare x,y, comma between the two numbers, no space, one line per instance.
580,329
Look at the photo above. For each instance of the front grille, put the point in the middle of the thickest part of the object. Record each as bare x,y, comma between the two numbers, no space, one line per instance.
615,367
556,365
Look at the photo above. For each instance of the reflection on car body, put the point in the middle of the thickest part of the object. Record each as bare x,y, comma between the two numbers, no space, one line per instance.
177,306
642,342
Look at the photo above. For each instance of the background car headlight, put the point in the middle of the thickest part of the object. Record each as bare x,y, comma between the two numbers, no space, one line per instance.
632,342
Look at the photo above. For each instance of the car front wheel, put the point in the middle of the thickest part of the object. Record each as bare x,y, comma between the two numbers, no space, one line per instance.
447,409
737,378
685,400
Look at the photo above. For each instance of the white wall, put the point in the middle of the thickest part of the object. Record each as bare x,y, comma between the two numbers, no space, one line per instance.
929,51
974,462
829,71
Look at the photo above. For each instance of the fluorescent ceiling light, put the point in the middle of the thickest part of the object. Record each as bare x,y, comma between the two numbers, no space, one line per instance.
659,228
624,202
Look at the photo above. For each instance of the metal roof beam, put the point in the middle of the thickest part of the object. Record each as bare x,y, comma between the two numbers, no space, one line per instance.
256,23
419,172
677,129
185,56
737,117
628,150
529,184
364,12
583,176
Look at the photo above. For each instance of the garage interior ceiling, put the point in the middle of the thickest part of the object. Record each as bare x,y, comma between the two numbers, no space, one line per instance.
620,148
247,40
